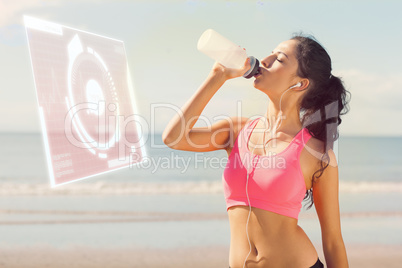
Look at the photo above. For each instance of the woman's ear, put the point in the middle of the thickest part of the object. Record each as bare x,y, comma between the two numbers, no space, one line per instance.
304,84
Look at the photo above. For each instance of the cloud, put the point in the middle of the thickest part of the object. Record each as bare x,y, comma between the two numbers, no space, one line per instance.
373,90
375,103
12,32
9,9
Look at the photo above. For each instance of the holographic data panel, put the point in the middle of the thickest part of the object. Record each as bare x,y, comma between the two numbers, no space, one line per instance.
86,104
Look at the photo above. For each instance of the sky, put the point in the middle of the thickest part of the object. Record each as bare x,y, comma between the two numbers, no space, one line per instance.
363,38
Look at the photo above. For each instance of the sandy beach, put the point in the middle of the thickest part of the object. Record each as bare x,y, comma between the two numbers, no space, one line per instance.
46,257
165,220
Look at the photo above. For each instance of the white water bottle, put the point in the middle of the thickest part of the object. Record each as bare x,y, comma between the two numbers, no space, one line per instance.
226,52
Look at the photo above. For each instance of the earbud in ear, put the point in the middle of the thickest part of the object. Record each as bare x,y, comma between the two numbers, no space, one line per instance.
297,85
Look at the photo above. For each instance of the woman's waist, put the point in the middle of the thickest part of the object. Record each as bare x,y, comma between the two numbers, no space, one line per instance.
293,249
273,237
261,221
269,239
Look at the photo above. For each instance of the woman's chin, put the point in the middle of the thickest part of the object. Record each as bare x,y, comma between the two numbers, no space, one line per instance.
257,84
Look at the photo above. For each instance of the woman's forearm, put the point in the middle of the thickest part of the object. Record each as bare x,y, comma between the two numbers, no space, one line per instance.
182,123
335,255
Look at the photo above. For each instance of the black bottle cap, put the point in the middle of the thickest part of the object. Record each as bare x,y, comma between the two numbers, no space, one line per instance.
255,64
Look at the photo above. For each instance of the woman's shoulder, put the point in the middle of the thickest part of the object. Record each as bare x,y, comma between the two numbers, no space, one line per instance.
236,124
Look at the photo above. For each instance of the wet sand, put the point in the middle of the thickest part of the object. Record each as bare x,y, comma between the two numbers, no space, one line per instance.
78,256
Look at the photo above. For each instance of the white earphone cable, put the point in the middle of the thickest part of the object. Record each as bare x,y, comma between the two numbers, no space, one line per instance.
252,165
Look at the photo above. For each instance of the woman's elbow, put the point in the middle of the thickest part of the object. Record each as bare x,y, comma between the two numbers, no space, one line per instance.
166,137
169,139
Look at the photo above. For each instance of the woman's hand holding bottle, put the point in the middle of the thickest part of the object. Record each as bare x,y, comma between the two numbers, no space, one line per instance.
230,73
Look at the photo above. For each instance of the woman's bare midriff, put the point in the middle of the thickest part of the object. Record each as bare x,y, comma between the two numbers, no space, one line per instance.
276,240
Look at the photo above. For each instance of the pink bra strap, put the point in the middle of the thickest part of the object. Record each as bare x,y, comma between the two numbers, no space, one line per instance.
302,139
251,126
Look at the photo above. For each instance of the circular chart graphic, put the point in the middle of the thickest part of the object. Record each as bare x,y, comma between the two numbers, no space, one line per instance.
92,98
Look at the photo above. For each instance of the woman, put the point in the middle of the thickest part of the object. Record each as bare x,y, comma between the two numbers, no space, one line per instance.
263,196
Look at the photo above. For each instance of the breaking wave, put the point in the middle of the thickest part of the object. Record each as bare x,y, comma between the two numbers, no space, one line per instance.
202,187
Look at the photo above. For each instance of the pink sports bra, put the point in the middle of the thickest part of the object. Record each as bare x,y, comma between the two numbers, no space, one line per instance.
275,183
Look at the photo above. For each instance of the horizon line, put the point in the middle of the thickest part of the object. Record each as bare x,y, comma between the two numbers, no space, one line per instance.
160,133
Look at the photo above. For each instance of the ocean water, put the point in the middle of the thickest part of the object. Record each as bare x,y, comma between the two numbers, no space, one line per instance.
176,200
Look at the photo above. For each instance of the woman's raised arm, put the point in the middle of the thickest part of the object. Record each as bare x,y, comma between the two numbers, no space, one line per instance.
179,134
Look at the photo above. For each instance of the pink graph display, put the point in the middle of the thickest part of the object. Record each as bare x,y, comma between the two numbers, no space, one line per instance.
86,103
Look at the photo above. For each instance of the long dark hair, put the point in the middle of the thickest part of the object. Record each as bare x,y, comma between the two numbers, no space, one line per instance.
325,100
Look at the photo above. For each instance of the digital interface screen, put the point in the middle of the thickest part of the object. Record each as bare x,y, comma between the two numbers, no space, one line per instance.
86,101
